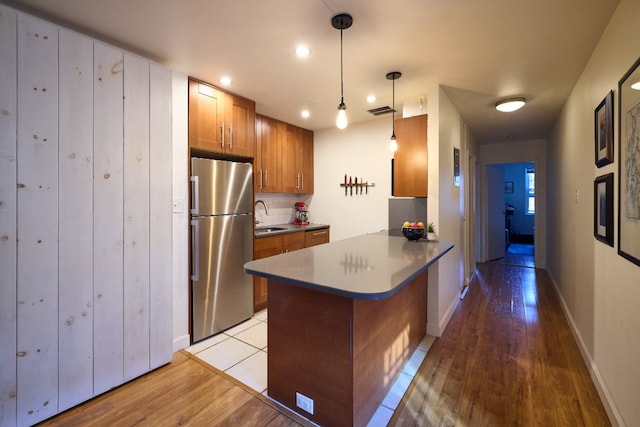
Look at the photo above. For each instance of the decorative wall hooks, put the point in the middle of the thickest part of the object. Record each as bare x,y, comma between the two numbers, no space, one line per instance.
359,184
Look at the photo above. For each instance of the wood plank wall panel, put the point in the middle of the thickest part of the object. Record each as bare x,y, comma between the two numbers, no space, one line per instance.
37,280
108,224
75,162
136,216
160,221
8,214
85,191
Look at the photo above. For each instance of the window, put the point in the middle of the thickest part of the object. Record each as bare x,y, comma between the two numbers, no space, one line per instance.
530,191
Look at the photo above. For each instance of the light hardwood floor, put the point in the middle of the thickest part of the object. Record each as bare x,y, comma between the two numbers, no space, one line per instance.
506,358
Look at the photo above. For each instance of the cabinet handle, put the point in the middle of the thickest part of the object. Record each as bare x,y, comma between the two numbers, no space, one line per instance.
297,181
231,136
319,233
222,134
260,185
266,181
301,181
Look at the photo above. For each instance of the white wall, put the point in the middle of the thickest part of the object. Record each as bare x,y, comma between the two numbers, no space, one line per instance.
599,289
361,150
180,220
518,152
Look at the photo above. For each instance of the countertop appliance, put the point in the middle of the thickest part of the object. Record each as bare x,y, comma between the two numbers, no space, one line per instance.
221,243
302,214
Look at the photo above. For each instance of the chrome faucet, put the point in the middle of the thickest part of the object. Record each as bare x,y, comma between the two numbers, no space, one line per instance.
263,204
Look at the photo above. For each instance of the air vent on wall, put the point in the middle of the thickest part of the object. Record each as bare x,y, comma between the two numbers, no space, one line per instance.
381,110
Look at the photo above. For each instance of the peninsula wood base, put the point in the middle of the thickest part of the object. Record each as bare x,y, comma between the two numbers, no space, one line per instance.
343,353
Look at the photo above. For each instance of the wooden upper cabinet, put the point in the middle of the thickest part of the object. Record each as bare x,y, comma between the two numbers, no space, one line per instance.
267,162
297,158
240,126
220,122
206,114
289,176
410,160
284,157
304,161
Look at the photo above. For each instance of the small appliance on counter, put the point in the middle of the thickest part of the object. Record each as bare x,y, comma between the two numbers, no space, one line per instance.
302,214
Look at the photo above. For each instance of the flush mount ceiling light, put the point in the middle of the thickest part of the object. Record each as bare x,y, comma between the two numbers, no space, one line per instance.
341,21
636,85
393,76
508,105
225,80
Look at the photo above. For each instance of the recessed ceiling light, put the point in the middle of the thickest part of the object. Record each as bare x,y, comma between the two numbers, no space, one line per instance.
305,113
371,99
225,80
636,85
508,105
302,51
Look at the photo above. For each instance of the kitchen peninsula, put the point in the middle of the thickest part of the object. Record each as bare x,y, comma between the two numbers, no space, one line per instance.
344,318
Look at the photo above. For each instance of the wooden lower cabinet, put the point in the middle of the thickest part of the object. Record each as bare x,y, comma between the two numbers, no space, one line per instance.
273,245
316,237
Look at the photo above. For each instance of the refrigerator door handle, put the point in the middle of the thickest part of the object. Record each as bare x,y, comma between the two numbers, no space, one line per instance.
195,250
195,195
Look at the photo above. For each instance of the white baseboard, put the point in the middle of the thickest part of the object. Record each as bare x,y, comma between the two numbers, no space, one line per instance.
601,387
181,342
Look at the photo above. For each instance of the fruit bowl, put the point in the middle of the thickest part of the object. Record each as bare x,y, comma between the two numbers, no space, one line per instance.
413,233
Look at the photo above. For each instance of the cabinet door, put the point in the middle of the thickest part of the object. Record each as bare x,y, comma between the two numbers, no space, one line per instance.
290,173
304,161
316,237
410,161
262,248
269,138
206,114
293,241
239,126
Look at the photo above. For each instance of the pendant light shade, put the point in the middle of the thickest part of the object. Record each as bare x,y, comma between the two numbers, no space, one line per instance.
341,21
393,76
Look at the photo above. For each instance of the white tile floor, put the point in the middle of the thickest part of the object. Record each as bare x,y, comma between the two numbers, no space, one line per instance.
242,353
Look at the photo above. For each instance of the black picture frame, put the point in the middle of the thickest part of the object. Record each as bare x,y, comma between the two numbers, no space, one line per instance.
508,187
456,166
603,131
629,165
603,208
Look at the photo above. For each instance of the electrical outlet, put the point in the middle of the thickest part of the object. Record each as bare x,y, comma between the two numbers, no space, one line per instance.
305,403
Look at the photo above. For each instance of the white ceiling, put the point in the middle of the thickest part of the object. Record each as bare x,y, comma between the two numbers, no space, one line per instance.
479,50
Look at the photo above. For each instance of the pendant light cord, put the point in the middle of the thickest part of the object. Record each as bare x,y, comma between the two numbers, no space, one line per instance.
341,72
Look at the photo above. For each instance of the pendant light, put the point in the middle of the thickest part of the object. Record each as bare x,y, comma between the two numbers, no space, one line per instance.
341,21
393,76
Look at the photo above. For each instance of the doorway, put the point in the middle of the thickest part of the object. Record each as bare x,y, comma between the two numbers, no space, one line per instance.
512,210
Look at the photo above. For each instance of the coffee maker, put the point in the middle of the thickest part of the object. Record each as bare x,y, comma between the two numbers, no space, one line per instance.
302,214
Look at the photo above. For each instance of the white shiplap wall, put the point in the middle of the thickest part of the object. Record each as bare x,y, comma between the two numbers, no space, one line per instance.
85,218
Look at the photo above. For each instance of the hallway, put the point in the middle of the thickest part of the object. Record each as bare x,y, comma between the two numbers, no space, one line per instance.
507,357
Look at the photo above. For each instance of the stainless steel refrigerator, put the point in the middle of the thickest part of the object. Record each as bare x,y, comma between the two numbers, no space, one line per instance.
221,243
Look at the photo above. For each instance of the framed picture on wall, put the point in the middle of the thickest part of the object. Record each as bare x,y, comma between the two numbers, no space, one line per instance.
603,208
629,164
508,187
603,121
456,166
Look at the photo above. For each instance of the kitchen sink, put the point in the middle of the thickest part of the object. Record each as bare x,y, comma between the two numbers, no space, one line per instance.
263,230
